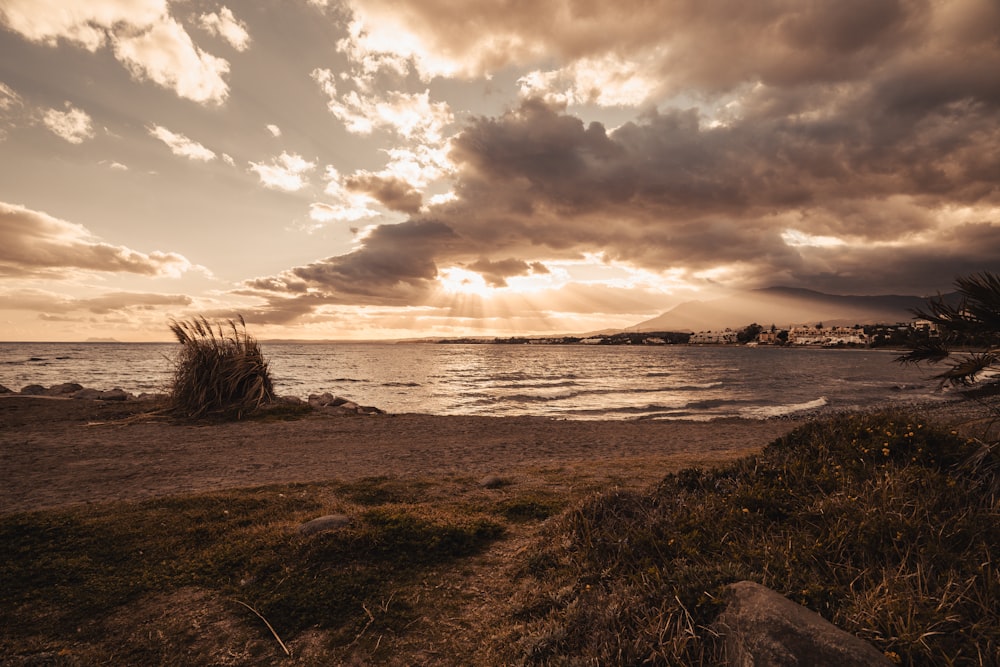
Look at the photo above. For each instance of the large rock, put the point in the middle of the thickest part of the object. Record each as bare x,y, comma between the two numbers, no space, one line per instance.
34,390
761,628
324,523
64,389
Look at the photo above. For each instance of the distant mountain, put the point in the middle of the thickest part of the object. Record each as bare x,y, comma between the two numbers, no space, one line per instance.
784,306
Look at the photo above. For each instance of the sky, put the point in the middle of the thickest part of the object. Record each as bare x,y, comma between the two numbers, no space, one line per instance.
369,169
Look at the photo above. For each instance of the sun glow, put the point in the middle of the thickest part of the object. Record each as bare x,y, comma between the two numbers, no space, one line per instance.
462,281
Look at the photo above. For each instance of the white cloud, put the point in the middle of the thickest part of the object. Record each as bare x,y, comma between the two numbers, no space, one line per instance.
84,23
73,125
286,172
8,98
142,34
10,103
181,145
346,206
228,159
225,25
166,55
606,81
274,130
411,115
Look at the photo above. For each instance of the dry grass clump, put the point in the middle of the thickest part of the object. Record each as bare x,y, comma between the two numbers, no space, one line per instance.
875,521
220,370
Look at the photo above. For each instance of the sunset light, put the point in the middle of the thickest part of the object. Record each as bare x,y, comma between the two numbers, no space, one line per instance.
317,163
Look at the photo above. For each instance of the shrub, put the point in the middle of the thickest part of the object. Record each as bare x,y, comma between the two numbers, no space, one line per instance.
220,370
870,520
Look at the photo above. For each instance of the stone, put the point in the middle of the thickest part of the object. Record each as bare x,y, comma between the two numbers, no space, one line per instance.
34,390
760,627
64,389
324,523
116,394
87,394
325,400
492,482
5,390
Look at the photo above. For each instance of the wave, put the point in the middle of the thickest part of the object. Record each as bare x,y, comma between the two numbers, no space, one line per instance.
770,411
538,385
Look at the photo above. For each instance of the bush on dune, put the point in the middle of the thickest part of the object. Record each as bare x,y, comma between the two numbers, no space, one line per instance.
220,370
874,521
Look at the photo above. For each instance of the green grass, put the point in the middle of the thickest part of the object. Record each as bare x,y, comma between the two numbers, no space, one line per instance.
870,520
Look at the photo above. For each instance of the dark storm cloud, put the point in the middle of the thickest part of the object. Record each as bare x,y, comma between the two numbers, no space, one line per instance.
496,273
394,193
394,266
869,121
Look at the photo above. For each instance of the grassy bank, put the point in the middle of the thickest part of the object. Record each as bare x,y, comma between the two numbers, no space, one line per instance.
877,521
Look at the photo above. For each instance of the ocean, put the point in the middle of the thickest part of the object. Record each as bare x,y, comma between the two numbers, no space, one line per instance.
559,381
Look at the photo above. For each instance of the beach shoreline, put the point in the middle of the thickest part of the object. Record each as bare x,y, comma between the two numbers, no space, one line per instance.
61,452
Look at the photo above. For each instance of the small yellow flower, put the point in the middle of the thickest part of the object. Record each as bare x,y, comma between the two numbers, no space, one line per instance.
885,451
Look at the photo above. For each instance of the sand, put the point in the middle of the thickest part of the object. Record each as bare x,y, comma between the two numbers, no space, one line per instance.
57,452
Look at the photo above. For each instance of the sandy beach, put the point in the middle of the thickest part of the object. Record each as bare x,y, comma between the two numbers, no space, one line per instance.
56,452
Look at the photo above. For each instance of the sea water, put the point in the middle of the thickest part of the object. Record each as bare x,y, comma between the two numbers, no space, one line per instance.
561,381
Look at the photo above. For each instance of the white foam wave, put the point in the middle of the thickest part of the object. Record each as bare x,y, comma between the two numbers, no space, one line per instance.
770,411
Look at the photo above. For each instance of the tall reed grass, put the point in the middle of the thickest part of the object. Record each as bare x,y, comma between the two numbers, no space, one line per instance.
220,370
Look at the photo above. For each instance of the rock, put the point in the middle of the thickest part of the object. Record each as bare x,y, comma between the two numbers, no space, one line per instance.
369,410
63,389
116,394
324,523
87,394
761,627
34,390
325,400
5,390
492,482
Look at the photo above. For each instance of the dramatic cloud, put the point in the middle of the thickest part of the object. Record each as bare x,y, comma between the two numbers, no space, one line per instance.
141,33
33,243
225,25
286,172
73,125
809,169
529,161
181,145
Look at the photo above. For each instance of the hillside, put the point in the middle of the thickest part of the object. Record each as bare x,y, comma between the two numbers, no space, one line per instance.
784,306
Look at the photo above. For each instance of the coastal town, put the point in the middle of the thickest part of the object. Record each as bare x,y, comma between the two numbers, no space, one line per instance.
900,334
